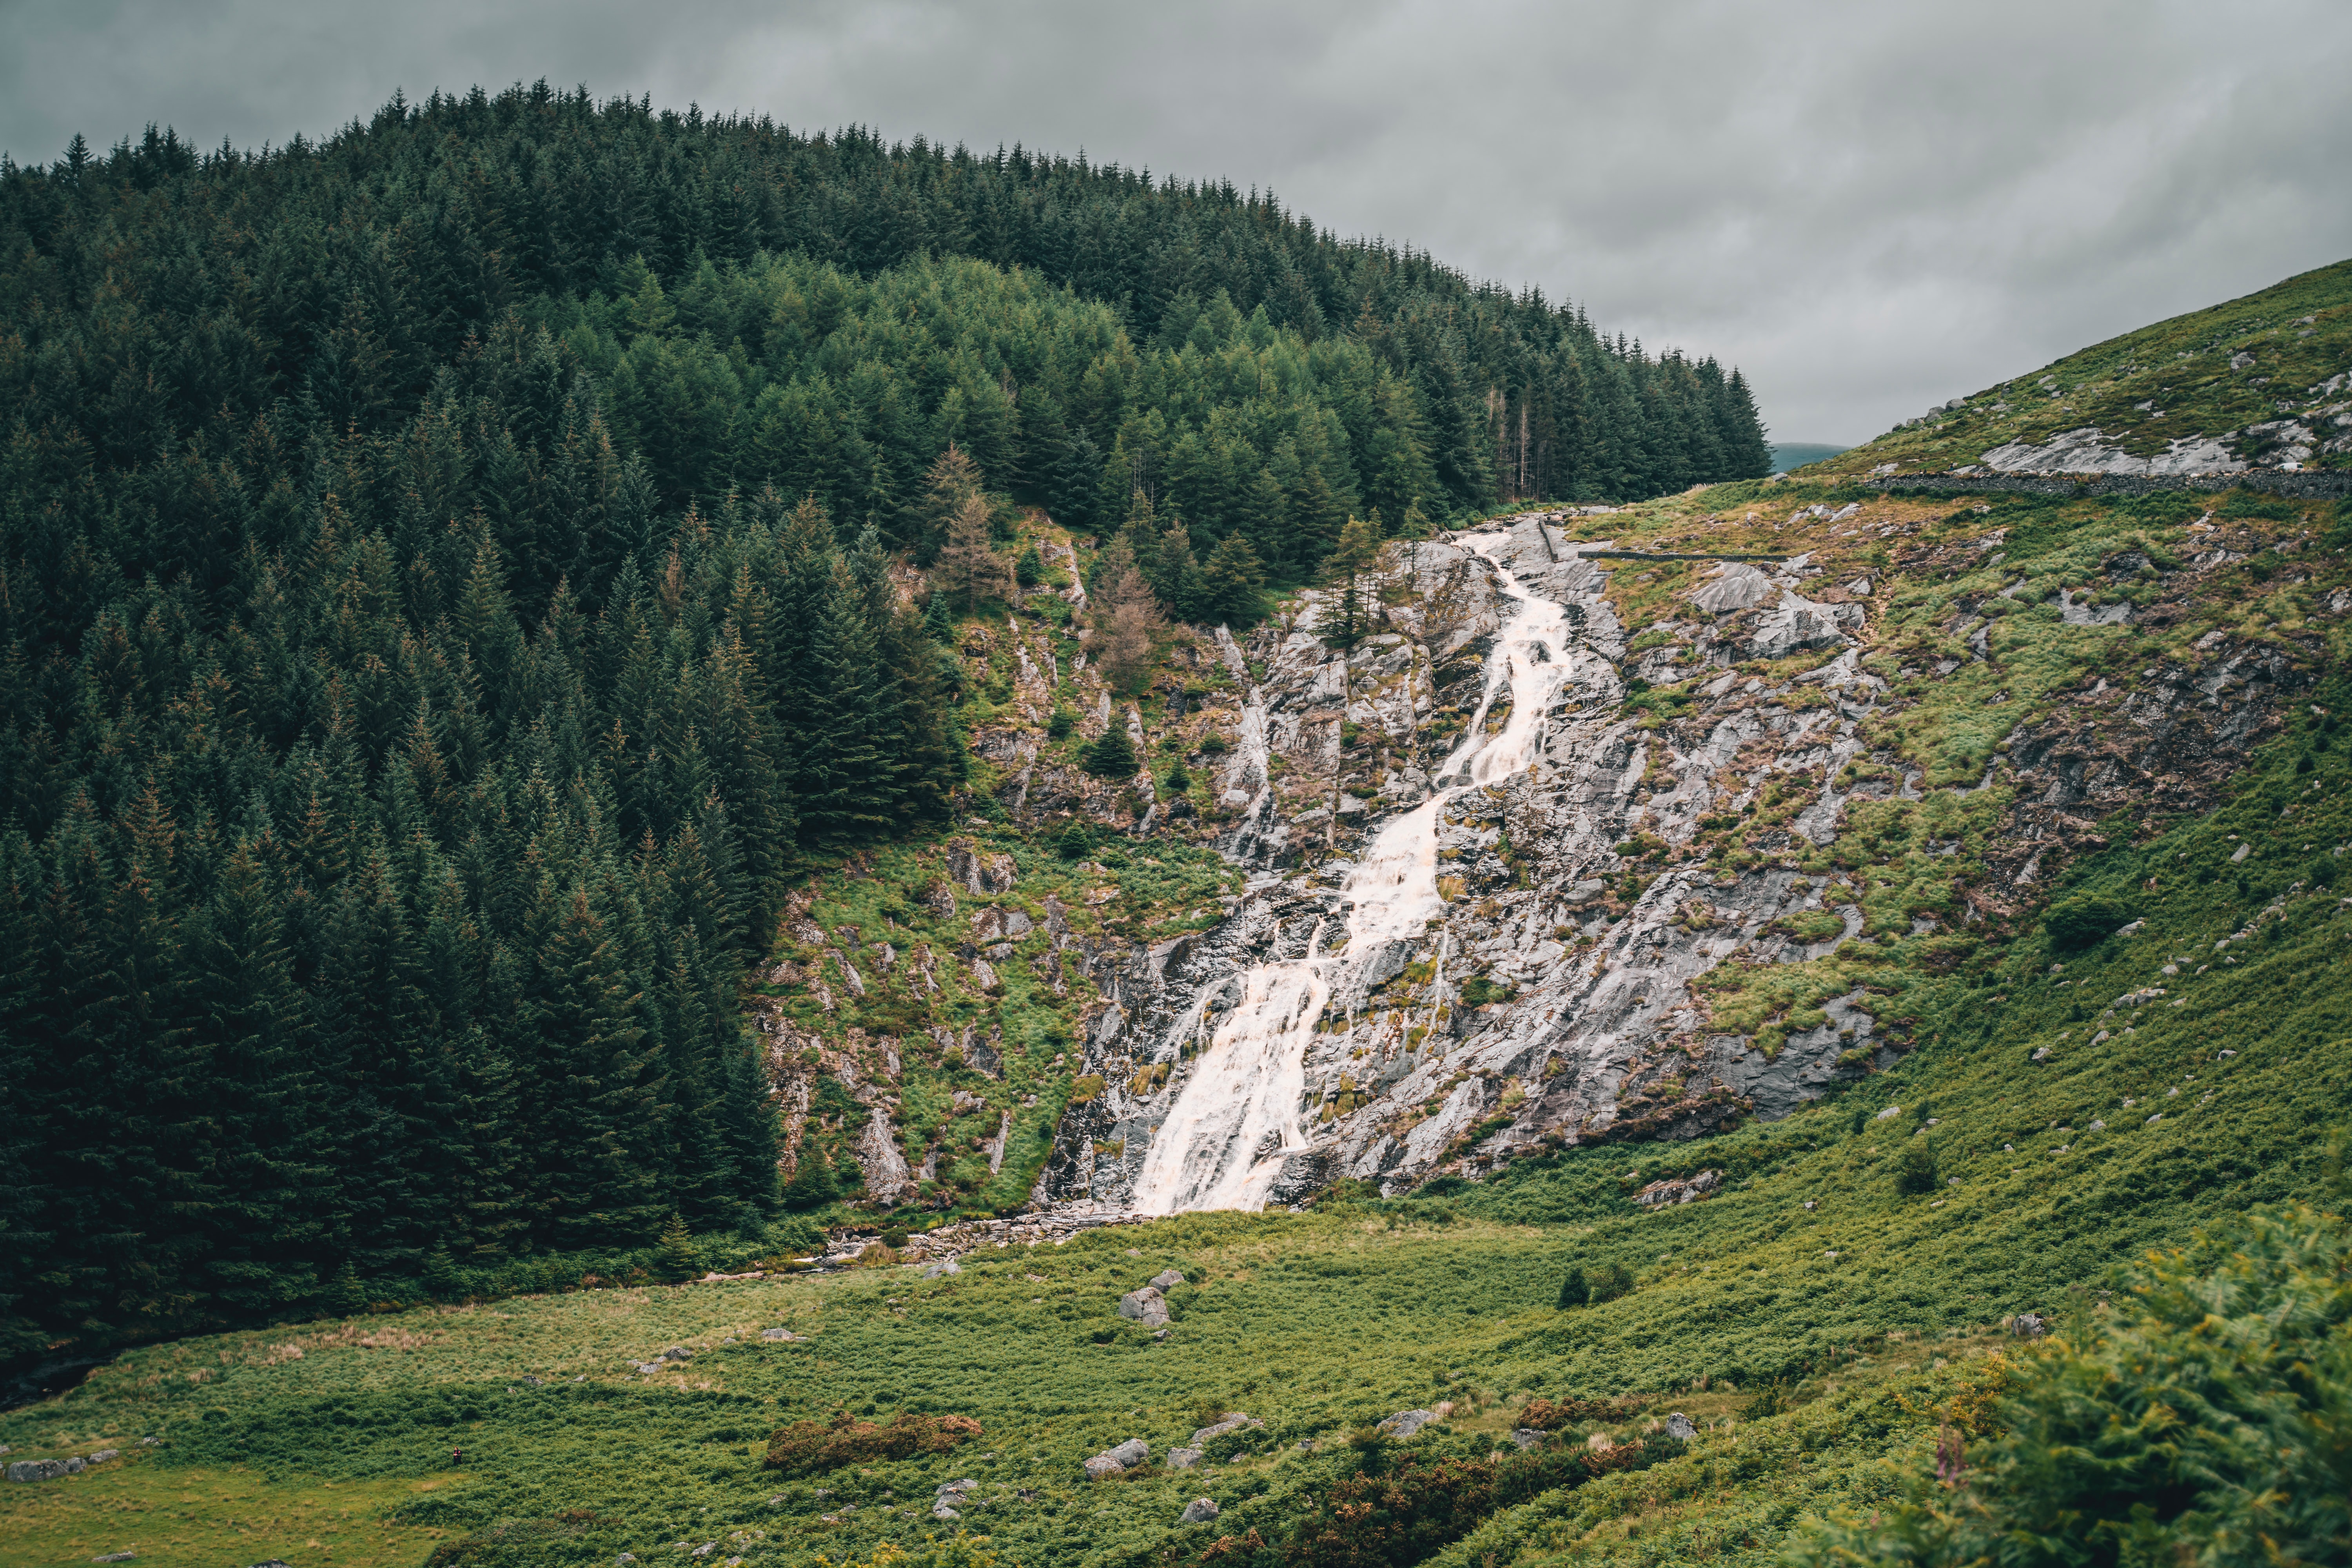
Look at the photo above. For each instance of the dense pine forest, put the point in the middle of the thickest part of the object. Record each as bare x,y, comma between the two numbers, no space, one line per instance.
447,596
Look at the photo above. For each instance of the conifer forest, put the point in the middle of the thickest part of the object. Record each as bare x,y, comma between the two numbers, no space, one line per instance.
451,585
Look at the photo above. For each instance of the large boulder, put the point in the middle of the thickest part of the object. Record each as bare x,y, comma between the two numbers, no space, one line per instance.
1146,1306
1119,1460
1405,1423
1734,586
45,1469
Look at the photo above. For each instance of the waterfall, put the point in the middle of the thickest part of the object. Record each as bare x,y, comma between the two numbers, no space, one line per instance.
1238,1117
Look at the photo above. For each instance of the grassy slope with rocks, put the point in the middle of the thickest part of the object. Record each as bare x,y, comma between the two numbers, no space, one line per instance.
2276,354
1819,1348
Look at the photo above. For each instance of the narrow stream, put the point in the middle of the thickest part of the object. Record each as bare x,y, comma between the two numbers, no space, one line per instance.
1224,1139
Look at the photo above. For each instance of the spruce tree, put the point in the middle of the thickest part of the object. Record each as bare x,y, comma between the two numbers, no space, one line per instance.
441,1281
678,1255
344,1296
1112,754
1230,582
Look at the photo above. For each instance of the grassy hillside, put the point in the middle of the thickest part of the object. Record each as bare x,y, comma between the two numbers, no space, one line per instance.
2268,356
1817,1347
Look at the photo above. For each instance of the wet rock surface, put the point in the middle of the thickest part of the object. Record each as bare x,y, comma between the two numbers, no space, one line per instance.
1554,995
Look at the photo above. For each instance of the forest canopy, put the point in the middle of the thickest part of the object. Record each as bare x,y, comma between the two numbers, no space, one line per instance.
447,596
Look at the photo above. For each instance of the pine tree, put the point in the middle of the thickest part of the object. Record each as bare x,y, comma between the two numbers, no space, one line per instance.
970,570
679,1256
443,1282
344,1296
1355,556
1028,567
1230,582
812,1185
1112,754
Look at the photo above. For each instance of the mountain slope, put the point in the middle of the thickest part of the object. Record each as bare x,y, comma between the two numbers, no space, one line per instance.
2260,382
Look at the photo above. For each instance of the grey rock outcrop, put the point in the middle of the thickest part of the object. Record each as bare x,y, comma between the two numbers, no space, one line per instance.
1680,1190
1117,1461
1200,1511
1146,1306
1680,1427
1549,998
45,1469
1405,1423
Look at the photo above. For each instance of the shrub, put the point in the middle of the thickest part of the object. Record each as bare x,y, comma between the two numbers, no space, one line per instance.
2086,920
2203,1420
1062,722
1027,567
1112,755
1551,1415
1074,843
1573,1291
1915,1168
804,1447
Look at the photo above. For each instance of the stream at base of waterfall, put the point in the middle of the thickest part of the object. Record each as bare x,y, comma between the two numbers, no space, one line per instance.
1222,1144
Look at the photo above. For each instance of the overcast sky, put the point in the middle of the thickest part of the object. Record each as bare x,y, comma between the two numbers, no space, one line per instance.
1868,207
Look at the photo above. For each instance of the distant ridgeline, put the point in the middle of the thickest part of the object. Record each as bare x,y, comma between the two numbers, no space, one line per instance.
445,598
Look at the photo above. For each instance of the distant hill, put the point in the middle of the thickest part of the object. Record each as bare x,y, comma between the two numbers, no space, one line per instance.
1791,455
2264,381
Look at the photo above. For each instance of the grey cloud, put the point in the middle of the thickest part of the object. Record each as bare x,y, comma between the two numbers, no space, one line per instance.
1868,206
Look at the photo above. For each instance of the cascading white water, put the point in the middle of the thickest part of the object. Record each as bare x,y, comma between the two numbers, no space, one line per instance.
1222,1144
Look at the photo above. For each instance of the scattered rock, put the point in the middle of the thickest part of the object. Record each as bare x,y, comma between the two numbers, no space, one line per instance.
2028,1326
780,1336
1119,1460
1200,1511
1679,1190
1680,1427
1166,1279
944,1266
948,1494
1183,1459
1405,1423
105,1453
1528,1437
676,1352
43,1469
1146,1306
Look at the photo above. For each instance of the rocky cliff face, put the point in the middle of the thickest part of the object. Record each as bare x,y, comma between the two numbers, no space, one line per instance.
1699,898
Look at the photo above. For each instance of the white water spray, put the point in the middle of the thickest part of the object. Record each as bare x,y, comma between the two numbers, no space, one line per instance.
1224,1139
